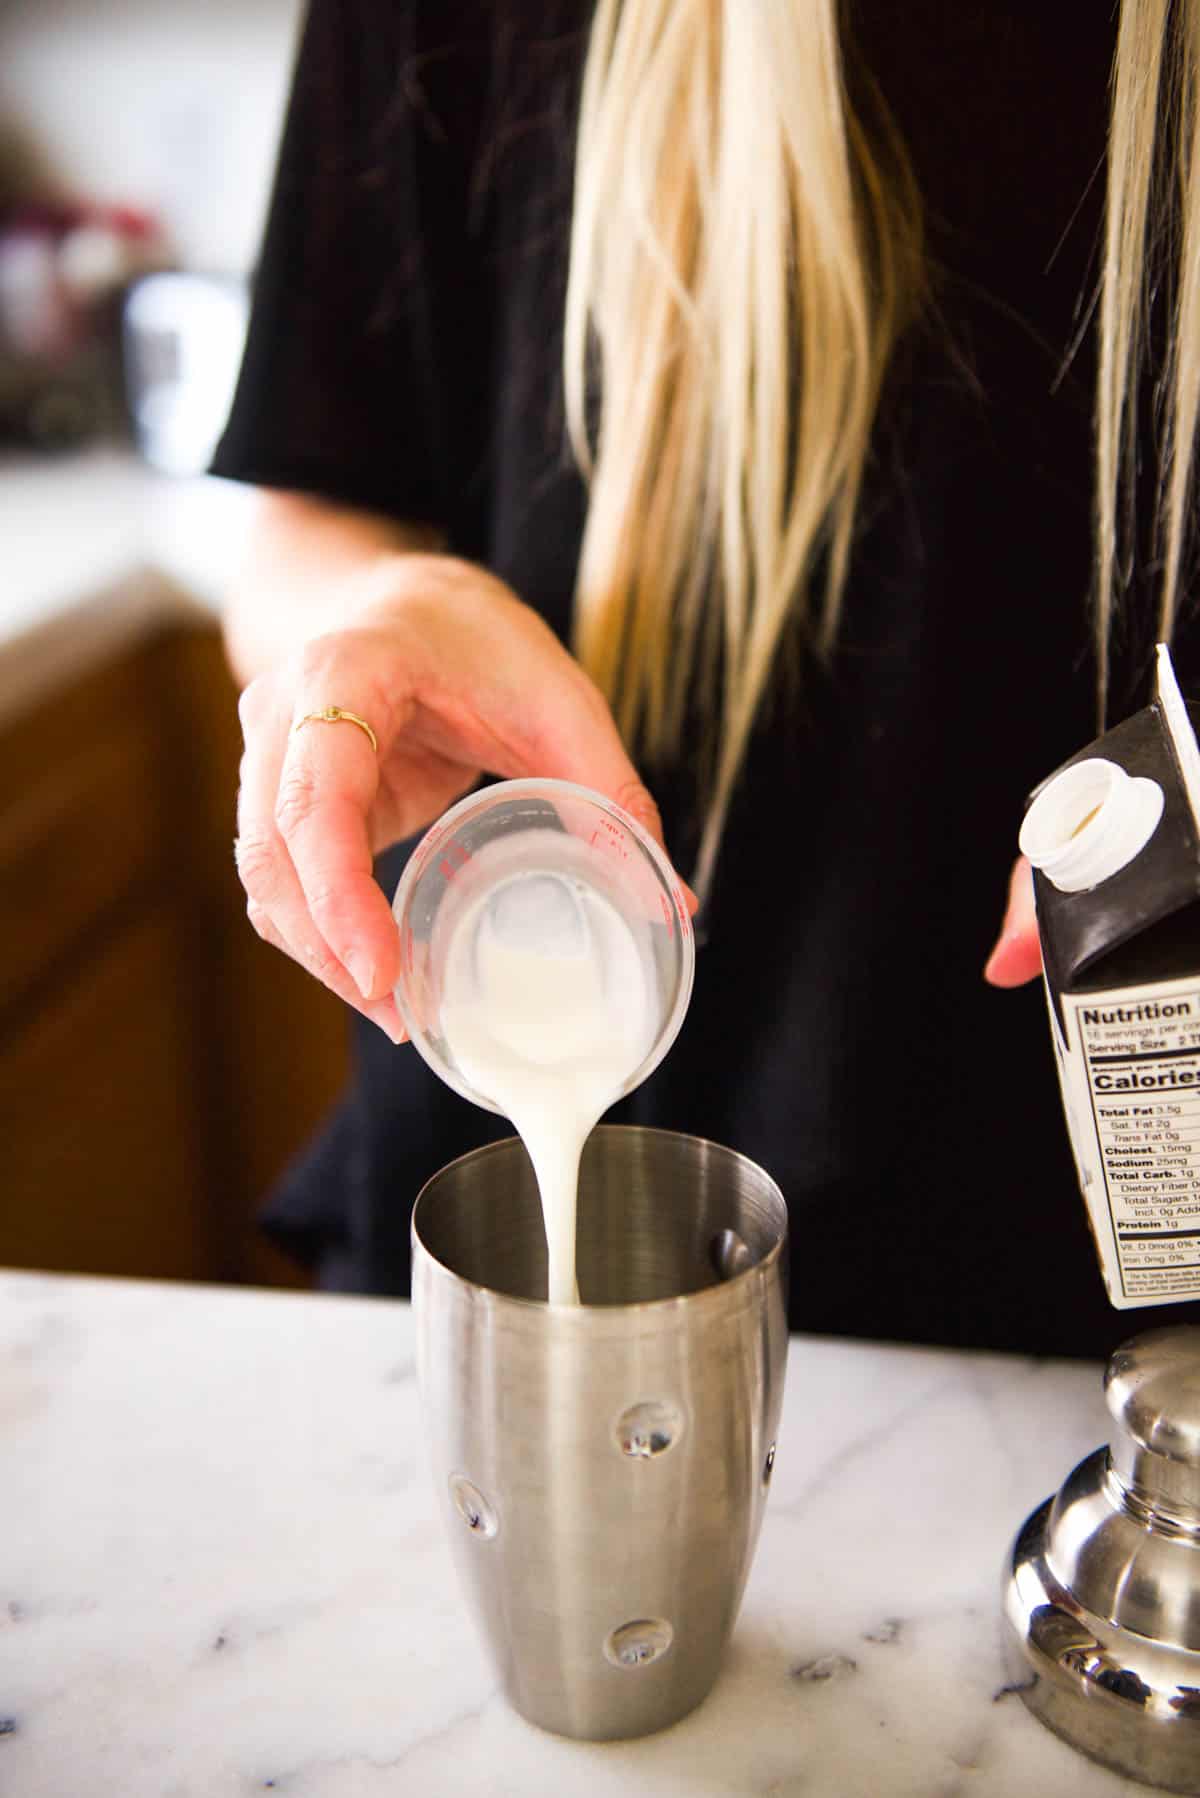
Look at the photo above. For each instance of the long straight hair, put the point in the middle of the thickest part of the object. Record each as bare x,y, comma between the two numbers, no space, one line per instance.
745,255
1152,241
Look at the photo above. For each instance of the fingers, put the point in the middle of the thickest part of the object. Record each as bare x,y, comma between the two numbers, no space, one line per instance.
586,747
582,744
380,1011
327,784
490,686
1017,954
322,823
278,907
453,675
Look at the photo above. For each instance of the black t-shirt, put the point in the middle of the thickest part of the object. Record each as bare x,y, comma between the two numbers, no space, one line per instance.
404,355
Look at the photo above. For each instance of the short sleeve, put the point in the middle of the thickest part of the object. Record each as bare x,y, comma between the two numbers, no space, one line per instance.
364,374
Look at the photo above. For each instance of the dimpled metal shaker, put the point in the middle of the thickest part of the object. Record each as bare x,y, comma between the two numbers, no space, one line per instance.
1102,1586
602,1469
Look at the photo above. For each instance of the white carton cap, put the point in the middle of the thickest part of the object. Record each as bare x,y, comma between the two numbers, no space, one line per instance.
1088,822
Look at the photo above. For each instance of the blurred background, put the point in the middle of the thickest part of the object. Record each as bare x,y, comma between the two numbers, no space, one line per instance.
158,1065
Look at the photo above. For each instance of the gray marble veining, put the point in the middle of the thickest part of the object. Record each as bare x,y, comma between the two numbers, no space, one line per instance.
221,1572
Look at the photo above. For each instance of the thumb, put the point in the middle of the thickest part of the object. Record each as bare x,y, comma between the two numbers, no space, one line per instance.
639,802
635,798
592,754
1016,956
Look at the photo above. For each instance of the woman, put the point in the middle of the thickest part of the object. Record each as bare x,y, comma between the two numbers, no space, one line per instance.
747,352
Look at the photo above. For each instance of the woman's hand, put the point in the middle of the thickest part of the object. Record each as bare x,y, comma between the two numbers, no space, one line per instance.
456,678
1017,955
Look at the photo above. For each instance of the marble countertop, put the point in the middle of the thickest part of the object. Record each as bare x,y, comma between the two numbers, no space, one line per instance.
96,547
221,1571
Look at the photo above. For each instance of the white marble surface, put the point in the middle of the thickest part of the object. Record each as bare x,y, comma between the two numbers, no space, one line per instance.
96,547
221,1571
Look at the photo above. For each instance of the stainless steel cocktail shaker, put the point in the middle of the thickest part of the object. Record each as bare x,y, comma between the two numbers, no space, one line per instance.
602,1468
1102,1586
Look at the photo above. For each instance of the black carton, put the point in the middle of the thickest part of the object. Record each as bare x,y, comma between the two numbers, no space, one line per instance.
1117,883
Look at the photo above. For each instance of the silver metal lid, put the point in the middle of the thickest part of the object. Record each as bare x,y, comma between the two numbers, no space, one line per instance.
1152,1388
1102,1586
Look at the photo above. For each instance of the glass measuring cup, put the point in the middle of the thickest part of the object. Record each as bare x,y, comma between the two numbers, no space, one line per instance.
534,848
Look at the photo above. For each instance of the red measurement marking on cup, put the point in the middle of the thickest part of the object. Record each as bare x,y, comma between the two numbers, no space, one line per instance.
608,835
664,905
408,947
456,857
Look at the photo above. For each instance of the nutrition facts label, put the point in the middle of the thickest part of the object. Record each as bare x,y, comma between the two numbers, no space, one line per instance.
1141,1059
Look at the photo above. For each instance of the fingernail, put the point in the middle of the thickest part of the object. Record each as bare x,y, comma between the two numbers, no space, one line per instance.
362,971
391,1028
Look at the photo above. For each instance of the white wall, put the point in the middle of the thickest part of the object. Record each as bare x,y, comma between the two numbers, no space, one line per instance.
175,105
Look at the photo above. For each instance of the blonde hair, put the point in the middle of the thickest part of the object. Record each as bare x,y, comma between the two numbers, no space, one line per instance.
745,254
740,269
1152,232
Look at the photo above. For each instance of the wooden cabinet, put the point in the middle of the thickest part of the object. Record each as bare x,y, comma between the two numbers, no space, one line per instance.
158,1063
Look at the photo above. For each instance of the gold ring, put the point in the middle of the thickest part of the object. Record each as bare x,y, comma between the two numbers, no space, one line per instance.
335,714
